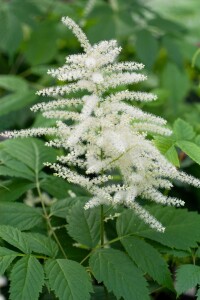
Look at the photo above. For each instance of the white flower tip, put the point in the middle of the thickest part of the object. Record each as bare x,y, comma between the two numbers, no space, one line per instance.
90,62
97,78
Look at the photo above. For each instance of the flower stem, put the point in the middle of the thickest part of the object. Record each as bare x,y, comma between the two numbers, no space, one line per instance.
102,226
47,218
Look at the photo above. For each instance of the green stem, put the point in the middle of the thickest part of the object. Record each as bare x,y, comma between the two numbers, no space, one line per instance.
107,243
102,226
48,219
37,256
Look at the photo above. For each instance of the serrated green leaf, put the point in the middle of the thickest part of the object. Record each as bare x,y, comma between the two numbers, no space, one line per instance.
191,149
101,293
27,279
187,276
175,252
30,151
178,223
58,187
55,186
14,168
163,144
166,147
183,130
119,274
62,207
40,243
13,189
148,259
6,258
6,171
172,156
71,280
83,225
19,215
14,237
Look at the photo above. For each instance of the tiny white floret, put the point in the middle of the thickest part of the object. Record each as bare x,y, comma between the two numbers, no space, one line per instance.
90,62
97,78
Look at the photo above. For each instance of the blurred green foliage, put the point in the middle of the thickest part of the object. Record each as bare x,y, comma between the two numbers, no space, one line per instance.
163,36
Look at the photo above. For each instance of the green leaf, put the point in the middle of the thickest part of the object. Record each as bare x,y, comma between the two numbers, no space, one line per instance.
102,14
16,101
166,25
19,215
172,218
183,130
10,31
84,225
145,40
58,187
187,277
198,294
13,189
13,167
42,46
27,279
176,253
172,156
198,252
40,243
20,97
101,293
14,237
197,140
173,50
148,259
6,258
71,280
119,274
163,144
176,83
30,151
6,171
26,12
166,147
13,83
191,149
62,207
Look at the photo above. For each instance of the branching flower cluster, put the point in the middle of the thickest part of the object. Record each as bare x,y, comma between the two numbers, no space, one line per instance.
107,134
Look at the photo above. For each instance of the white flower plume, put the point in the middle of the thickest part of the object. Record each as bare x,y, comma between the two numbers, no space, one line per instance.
108,136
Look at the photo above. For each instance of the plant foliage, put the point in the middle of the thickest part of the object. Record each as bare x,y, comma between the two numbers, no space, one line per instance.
50,247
